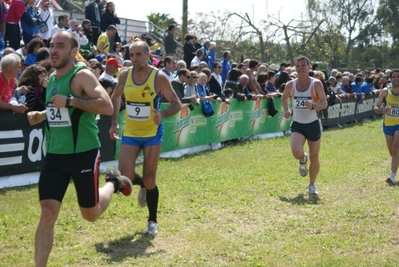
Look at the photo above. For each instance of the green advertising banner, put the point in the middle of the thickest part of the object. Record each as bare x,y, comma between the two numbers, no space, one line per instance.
189,128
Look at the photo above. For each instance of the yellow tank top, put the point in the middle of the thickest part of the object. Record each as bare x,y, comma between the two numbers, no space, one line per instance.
141,99
392,118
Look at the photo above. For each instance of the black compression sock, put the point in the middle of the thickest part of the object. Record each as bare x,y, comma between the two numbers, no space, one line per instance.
115,183
138,180
152,203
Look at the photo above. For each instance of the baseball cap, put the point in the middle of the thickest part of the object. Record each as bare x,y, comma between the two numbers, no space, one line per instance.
113,62
100,57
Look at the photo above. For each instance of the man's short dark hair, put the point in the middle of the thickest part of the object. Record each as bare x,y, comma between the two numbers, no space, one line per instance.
105,83
171,27
168,59
42,54
61,17
271,74
225,54
184,72
302,58
253,63
199,52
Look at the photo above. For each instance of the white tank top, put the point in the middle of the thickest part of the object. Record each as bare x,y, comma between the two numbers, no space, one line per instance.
301,113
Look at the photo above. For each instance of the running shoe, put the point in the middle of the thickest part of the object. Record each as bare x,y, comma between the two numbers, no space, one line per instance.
303,168
390,180
151,229
124,184
142,197
312,190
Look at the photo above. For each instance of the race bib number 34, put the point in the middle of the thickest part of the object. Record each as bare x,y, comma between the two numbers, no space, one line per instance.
57,117
138,111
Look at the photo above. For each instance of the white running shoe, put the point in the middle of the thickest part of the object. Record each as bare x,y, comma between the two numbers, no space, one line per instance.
303,168
151,229
312,190
142,197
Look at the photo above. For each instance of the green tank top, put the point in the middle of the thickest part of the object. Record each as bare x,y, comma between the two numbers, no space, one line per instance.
69,130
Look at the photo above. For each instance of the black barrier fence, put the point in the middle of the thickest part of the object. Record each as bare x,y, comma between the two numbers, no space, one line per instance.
22,147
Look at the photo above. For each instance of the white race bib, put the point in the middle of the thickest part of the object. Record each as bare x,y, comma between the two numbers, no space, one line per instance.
394,112
57,117
138,111
299,102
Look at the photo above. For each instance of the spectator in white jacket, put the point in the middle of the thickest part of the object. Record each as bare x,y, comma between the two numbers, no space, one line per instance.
79,34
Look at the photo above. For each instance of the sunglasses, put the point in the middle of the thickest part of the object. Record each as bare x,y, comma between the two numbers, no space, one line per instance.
194,77
94,68
220,67
188,77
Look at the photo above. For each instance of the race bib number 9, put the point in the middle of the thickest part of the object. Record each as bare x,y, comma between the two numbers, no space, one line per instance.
57,117
138,111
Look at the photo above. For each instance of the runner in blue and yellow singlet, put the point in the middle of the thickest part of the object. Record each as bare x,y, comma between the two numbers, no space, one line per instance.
143,85
390,97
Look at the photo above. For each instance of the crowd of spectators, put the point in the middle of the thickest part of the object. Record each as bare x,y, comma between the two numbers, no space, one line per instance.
200,75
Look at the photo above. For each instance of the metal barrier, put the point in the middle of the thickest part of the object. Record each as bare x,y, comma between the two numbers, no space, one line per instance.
129,28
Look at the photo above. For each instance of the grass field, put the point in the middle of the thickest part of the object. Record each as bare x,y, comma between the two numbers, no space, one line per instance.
243,205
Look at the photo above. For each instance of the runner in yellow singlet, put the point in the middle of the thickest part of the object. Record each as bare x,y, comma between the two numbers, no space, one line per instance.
143,85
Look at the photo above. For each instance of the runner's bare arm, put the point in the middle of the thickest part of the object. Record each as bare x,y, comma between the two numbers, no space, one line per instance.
91,96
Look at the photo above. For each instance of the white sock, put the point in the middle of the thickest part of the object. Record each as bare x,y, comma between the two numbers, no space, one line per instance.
393,176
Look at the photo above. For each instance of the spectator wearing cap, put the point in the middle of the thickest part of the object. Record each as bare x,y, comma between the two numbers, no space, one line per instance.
111,68
169,41
103,40
110,18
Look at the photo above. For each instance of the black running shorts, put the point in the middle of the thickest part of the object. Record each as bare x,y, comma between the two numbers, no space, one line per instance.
58,170
311,131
